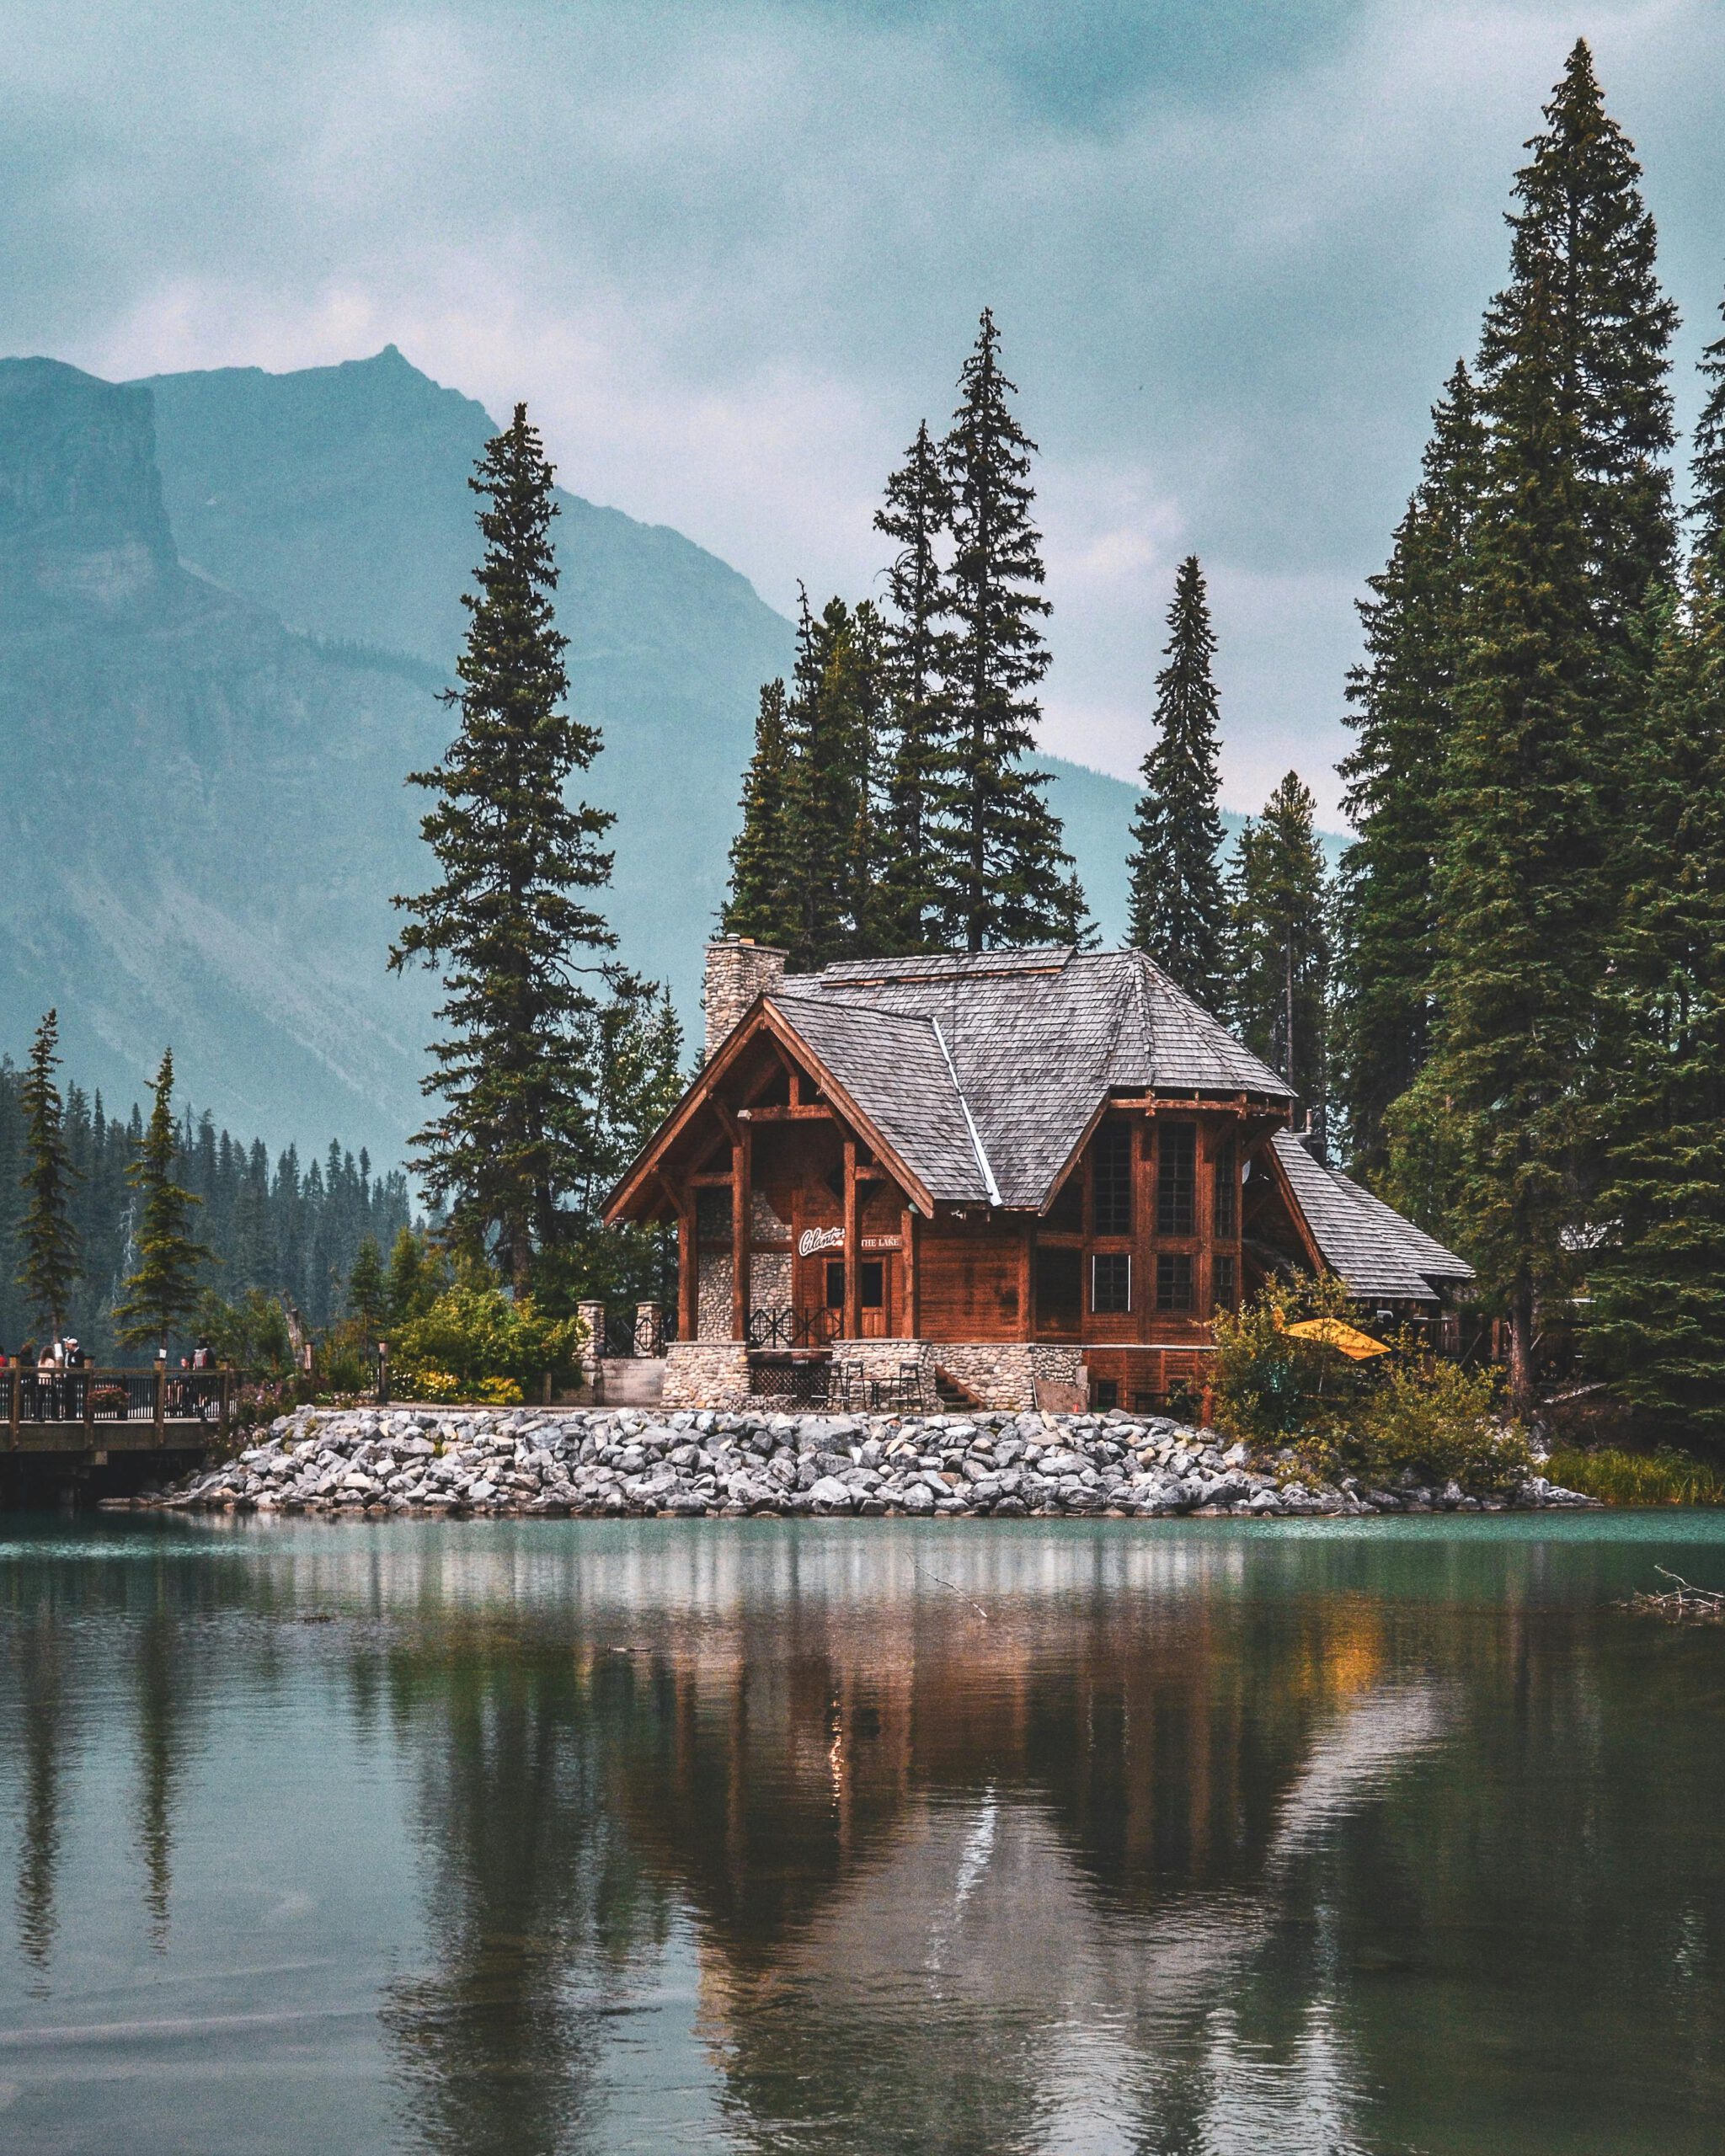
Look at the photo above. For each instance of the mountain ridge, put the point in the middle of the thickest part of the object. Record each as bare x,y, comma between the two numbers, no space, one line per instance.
230,596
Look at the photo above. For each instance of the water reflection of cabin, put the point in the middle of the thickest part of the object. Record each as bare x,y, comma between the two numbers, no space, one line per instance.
1013,1178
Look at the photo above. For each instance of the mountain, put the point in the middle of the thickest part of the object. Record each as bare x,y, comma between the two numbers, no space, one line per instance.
227,600
204,814
337,497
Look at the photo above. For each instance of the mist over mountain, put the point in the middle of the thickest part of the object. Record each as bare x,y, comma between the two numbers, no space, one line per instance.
227,601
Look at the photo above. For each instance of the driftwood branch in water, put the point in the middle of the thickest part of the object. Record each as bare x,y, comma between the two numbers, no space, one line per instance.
1680,1603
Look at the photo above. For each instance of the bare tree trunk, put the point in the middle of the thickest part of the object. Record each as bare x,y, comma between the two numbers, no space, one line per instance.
1521,1347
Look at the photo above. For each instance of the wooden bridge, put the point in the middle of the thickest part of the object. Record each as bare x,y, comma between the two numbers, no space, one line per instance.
93,1413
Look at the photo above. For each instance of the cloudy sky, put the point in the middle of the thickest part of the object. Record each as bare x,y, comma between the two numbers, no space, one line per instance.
731,251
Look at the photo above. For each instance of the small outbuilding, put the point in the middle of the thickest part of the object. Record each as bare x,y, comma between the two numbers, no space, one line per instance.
1006,1179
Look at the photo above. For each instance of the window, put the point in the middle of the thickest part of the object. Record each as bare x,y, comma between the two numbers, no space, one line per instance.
1225,1215
712,1216
1173,1281
1111,1180
835,1284
1222,1289
1110,1281
872,1281
1176,1172
1060,1279
1104,1394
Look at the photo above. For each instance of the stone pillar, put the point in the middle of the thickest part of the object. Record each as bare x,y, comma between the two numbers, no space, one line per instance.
592,1318
738,970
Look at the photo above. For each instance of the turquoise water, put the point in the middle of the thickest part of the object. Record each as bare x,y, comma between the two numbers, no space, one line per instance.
662,1836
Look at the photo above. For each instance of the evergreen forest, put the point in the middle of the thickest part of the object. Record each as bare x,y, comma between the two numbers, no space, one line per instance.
292,1230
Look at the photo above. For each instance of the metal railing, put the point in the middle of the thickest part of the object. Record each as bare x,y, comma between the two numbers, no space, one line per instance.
645,1331
35,1399
790,1329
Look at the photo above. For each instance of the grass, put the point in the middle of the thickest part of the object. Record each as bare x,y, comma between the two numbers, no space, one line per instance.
1638,1478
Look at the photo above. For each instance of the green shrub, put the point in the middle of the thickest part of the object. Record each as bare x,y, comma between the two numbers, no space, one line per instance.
1666,1477
1269,1387
473,1334
1385,1419
1438,1423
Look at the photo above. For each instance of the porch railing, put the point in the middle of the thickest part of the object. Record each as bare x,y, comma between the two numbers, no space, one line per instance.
98,1399
785,1328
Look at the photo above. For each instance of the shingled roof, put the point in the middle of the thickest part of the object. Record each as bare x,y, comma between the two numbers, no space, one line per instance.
1366,1243
984,1071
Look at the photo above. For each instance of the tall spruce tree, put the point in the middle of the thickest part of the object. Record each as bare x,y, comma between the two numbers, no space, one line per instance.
1571,541
1523,885
1178,912
161,1290
1657,1272
48,1265
833,717
516,1073
1002,874
1280,945
1582,232
1404,700
760,902
916,515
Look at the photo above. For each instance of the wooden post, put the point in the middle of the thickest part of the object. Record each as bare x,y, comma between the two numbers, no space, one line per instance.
688,1276
739,1236
853,1268
907,1244
89,1384
17,1387
1025,1313
227,1398
158,1414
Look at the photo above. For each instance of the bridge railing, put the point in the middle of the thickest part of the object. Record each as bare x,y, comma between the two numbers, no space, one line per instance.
99,1398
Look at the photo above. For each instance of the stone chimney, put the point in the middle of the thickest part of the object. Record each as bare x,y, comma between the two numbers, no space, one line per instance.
738,970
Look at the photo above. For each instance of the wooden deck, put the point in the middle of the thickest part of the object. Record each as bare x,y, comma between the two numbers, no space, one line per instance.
97,1411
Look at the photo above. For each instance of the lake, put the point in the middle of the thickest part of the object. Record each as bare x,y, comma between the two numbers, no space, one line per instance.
548,1835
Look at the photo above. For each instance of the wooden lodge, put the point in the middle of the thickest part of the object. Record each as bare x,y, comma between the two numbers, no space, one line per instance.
1010,1179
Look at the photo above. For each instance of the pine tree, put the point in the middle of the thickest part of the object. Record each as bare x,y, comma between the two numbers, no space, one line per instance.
50,1266
161,1293
1658,1275
1708,508
1583,236
1522,885
760,902
1570,542
916,514
366,1299
516,1071
1280,945
833,717
1178,913
1001,871
1403,697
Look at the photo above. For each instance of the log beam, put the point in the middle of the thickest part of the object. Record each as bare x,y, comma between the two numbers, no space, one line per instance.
853,1267
739,1236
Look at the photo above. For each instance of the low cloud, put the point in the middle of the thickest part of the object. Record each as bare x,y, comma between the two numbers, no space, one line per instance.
732,253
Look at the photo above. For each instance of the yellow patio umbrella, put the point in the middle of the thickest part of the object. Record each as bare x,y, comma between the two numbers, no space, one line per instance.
1359,1347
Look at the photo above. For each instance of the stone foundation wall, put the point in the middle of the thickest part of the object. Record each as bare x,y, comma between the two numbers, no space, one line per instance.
1016,1373
706,1373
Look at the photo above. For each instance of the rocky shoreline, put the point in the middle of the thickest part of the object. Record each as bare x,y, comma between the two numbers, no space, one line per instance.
630,1462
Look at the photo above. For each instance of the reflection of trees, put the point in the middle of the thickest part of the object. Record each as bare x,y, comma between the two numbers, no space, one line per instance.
43,1709
167,1689
535,1906
921,1843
